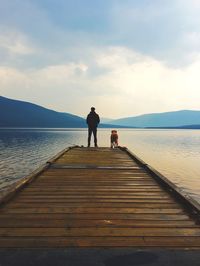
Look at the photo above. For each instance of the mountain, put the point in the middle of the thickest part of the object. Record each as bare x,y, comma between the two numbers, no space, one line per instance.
191,127
168,119
106,120
24,114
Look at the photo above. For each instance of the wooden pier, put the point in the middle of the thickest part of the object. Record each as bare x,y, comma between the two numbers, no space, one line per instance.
98,197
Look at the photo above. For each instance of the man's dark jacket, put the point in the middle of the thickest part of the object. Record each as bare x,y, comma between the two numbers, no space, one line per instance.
93,120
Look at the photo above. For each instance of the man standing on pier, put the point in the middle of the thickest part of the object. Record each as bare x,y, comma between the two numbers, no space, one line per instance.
92,121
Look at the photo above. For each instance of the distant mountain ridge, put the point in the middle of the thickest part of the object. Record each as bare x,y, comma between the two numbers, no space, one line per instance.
167,119
16,113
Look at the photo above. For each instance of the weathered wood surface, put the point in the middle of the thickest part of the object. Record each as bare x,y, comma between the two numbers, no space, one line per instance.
96,198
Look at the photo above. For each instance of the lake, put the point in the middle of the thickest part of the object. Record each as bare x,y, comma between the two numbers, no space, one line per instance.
174,153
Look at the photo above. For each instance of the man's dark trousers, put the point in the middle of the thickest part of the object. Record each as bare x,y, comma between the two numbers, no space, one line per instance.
94,131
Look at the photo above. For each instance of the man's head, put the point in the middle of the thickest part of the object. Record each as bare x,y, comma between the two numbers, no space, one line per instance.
92,109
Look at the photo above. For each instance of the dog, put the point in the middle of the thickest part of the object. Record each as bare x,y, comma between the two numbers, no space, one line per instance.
114,139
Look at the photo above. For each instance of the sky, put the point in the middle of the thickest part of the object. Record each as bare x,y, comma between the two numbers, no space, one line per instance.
125,57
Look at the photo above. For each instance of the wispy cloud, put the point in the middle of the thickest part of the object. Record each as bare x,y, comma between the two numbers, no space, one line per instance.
15,43
161,29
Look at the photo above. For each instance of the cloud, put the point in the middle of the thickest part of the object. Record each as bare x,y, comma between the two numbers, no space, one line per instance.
131,84
125,57
165,30
15,43
161,29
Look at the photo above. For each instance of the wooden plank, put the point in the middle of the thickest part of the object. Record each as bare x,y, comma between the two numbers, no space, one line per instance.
139,242
113,183
134,186
96,190
100,216
83,179
88,200
35,222
88,188
113,174
101,178
95,196
141,183
77,173
91,210
91,205
84,171
96,232
89,184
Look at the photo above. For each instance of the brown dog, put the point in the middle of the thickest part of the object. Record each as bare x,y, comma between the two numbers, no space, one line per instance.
113,139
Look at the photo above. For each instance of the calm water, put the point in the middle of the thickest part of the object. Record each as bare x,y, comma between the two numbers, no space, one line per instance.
174,153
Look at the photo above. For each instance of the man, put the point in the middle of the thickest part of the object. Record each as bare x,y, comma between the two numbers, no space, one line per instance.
92,121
